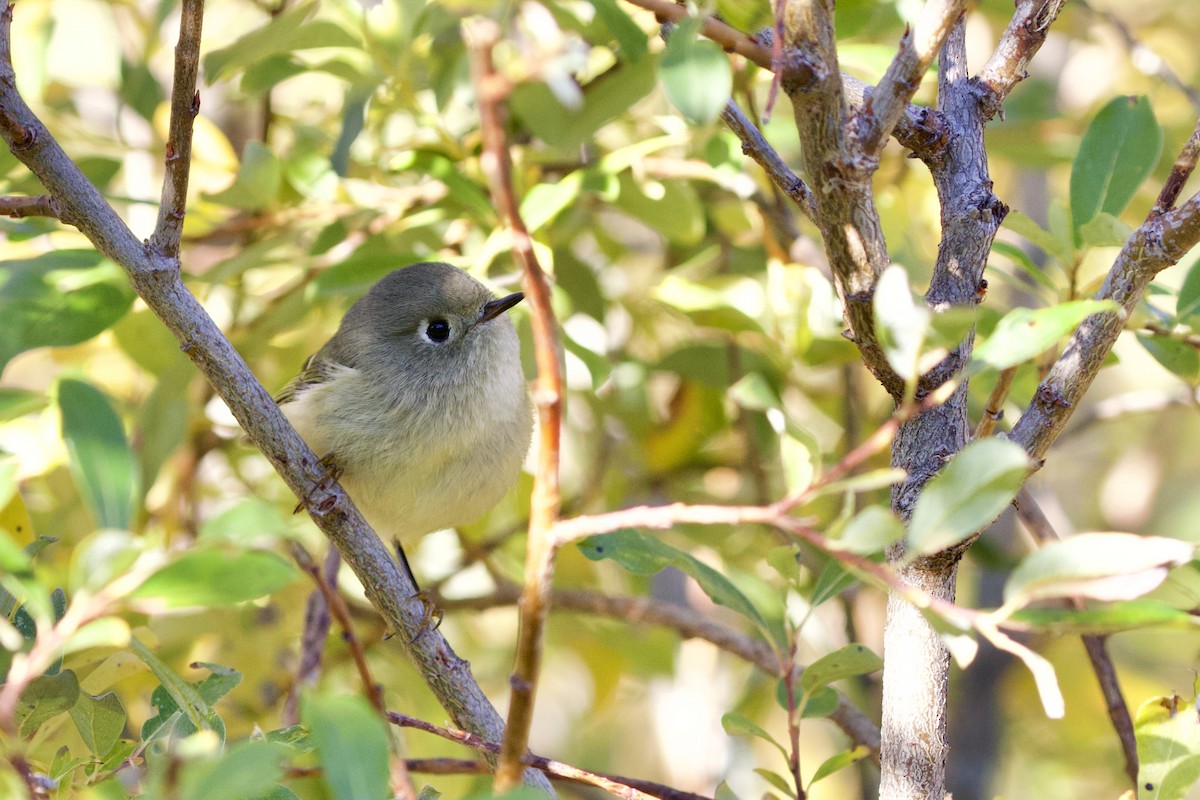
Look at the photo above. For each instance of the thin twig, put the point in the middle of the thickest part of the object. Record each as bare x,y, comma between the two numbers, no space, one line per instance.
994,411
757,147
618,786
1024,36
185,105
312,641
918,47
42,205
491,90
1181,170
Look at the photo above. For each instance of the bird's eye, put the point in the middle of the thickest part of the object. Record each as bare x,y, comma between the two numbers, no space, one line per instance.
438,330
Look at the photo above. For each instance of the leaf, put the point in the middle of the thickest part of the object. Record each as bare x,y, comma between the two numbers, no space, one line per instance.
1105,230
99,720
173,695
1168,747
285,33
59,298
967,494
644,555
100,458
248,769
352,746
1100,566
736,724
1187,304
695,73
1035,234
604,99
45,698
257,183
1179,358
1025,264
839,762
16,403
1121,616
870,531
1026,333
216,577
901,322
630,37
832,580
1117,153
846,662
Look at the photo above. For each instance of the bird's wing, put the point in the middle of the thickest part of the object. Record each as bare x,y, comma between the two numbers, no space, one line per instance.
318,369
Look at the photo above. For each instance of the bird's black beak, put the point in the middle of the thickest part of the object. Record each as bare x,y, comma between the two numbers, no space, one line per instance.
494,308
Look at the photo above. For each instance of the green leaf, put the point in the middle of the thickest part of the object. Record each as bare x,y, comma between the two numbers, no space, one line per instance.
99,720
1025,333
630,37
736,724
103,632
1124,616
174,695
644,555
901,322
1177,357
103,465
248,769
1117,153
214,577
1052,245
352,746
695,73
1187,304
15,403
870,531
1168,747
967,494
832,580
1025,264
59,298
839,762
286,33
1105,230
257,183
604,99
1100,566
846,662
45,698
821,703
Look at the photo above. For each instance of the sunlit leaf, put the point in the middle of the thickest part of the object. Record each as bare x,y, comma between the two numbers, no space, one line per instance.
258,180
847,662
1122,616
1025,333
1168,748
870,531
901,322
58,298
287,32
967,494
629,36
736,724
1177,357
1100,566
645,555
839,762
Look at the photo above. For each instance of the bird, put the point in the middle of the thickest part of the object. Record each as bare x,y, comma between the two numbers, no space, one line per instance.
418,403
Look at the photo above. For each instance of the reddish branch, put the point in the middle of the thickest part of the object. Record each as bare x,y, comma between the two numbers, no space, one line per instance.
631,788
491,90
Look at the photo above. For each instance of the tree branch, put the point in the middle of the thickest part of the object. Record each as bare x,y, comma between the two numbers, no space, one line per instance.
757,147
1024,36
185,105
1159,242
874,123
491,90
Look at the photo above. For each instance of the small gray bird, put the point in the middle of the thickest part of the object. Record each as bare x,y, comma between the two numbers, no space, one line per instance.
419,399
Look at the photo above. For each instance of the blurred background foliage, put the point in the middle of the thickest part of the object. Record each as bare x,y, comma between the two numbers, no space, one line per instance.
338,141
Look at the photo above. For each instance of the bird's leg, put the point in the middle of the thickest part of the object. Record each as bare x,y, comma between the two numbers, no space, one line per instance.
432,617
331,473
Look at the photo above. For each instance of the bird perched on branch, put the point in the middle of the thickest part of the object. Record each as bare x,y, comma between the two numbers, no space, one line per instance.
418,402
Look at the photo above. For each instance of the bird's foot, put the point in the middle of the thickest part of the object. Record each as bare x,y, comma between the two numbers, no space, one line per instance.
431,615
331,473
